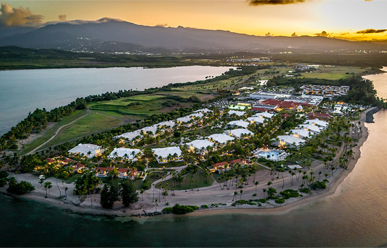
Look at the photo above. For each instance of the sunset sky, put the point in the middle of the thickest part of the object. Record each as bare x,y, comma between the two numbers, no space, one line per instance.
338,18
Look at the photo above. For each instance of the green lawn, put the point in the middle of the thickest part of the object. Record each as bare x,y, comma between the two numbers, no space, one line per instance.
51,131
92,123
197,180
334,73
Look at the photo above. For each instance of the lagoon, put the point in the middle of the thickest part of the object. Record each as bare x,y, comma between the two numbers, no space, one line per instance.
22,91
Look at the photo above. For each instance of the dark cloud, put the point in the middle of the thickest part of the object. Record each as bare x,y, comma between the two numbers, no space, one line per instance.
17,16
273,2
323,33
371,31
162,25
62,18
294,34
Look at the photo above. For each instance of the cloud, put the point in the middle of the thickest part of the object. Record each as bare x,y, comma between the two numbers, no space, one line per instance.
294,34
371,31
273,2
323,33
162,25
18,16
62,18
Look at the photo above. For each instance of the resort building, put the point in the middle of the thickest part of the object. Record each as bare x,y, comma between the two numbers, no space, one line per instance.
301,133
122,172
125,154
131,137
326,91
237,113
220,139
200,146
168,154
318,122
79,168
264,115
219,167
87,150
320,116
205,110
270,154
238,123
151,131
166,125
240,133
186,121
256,120
289,140
313,128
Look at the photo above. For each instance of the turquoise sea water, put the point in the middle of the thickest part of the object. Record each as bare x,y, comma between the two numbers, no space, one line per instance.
23,91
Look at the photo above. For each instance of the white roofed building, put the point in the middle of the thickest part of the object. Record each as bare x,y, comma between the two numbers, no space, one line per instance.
238,113
301,133
168,154
87,150
313,128
239,123
125,154
256,120
239,133
318,123
205,110
131,137
220,139
200,146
264,115
289,140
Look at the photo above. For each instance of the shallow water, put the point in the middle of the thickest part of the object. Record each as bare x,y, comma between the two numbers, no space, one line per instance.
23,91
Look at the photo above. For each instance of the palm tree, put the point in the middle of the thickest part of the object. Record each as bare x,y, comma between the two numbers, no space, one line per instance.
241,194
264,192
235,193
47,185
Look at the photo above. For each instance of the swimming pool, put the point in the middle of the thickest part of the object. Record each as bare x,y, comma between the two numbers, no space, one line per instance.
271,155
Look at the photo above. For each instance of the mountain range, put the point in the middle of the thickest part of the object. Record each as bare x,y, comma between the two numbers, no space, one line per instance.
111,35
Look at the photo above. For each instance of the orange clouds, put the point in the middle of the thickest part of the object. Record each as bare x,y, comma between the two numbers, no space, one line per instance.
17,16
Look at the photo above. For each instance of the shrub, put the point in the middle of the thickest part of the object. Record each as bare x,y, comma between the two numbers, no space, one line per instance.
263,200
2,183
280,200
251,203
167,210
3,174
203,206
254,194
241,202
19,188
318,185
289,193
183,209
304,190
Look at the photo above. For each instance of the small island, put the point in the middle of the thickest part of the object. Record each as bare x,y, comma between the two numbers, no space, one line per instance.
259,138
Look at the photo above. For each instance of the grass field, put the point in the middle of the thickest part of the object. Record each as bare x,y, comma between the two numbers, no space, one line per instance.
190,181
334,73
51,131
92,123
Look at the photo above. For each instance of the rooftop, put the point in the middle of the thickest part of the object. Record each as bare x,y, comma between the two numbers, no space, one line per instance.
239,123
221,138
164,152
130,153
239,132
200,144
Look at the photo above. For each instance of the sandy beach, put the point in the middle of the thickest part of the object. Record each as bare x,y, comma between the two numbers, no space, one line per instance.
212,194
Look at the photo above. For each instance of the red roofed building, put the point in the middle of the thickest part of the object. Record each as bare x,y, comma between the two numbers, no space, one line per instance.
258,109
220,167
78,167
288,105
321,116
50,160
242,162
271,102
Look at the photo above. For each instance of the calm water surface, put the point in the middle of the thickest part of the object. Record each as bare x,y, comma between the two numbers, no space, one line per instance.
356,215
22,91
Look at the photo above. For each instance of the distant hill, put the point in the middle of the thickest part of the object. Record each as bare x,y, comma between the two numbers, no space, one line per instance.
109,35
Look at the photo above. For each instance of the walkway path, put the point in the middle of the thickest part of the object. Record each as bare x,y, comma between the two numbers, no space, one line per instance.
57,132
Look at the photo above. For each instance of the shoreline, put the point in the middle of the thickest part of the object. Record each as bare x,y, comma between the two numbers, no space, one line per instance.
285,208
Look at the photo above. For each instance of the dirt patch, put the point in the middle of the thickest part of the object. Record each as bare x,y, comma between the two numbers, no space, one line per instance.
34,136
204,98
